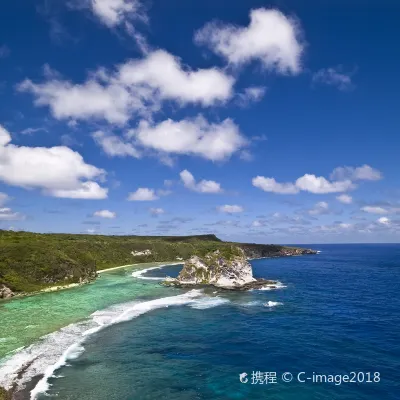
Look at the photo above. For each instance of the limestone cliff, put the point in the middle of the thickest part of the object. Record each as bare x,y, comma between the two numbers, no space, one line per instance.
228,269
5,292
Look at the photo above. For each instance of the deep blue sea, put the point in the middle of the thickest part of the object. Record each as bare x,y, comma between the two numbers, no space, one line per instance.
339,313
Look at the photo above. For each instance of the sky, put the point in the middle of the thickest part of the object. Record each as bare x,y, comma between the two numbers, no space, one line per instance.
266,122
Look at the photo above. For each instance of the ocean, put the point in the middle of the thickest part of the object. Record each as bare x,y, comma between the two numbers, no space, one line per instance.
125,337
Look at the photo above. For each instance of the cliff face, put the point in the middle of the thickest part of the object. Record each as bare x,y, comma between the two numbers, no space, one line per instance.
270,250
216,270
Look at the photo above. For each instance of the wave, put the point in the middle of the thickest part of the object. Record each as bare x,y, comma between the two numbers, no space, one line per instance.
139,274
53,351
208,302
274,286
273,304
259,303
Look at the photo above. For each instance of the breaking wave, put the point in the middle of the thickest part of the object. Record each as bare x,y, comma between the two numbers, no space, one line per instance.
273,304
54,350
275,286
139,274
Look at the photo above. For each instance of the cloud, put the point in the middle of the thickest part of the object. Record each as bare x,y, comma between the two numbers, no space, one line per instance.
85,190
196,136
250,95
271,185
105,214
6,214
143,194
320,208
374,210
307,183
114,146
258,224
271,38
363,173
334,77
384,221
345,199
230,209
343,179
320,185
202,186
57,171
136,88
29,131
156,211
116,12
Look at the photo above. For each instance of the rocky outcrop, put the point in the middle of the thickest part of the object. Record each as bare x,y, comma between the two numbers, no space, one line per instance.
5,292
141,253
227,270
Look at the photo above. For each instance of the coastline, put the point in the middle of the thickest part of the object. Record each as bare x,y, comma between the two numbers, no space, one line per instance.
58,288
134,265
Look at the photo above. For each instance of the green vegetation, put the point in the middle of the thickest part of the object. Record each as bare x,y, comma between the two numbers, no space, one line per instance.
33,261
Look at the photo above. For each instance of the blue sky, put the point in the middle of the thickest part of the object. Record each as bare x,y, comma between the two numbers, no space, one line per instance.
270,122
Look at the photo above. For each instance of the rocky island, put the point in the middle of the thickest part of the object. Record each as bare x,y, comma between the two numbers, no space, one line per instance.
226,268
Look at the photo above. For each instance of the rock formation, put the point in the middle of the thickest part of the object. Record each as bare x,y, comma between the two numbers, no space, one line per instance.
227,269
5,292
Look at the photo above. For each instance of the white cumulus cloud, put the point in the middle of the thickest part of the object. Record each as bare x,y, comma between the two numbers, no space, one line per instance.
58,171
114,146
143,194
203,186
319,185
345,199
384,221
230,209
271,185
307,183
374,210
115,12
320,208
105,214
363,173
271,37
136,88
197,136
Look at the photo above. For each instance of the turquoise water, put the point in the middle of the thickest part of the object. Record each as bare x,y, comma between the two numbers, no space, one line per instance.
26,319
339,313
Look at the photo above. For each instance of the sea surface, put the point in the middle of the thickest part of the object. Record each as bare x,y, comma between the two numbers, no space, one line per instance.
125,337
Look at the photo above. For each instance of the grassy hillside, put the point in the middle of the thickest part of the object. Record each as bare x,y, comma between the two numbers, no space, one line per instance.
32,261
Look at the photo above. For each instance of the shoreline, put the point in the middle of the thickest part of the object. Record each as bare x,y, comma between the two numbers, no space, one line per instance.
60,287
134,265
57,288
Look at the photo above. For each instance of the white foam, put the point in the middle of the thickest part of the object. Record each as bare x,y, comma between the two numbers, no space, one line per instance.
54,350
139,274
252,304
275,286
273,304
73,351
208,302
